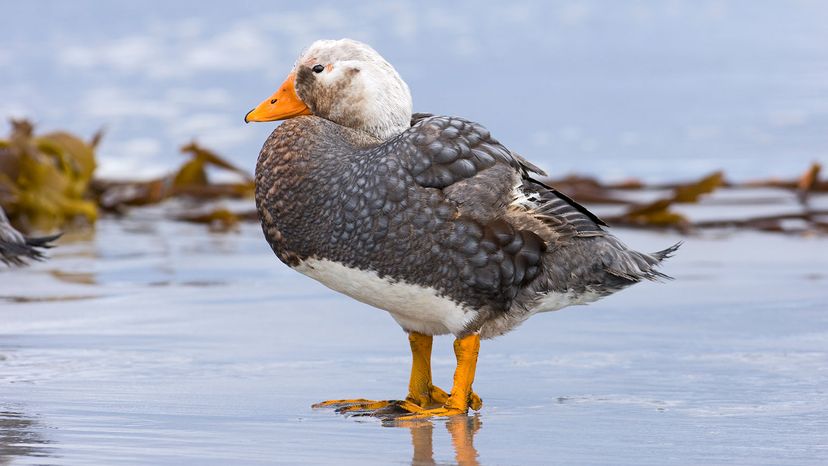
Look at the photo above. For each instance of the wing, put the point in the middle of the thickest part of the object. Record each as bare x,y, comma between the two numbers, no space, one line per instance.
444,150
484,177
558,211
482,180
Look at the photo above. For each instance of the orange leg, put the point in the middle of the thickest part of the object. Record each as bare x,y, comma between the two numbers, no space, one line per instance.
462,397
422,393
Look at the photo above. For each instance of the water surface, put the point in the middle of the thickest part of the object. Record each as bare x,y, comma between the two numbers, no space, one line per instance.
154,342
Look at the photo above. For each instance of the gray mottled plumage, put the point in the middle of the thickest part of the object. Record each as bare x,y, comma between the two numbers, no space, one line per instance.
16,249
441,205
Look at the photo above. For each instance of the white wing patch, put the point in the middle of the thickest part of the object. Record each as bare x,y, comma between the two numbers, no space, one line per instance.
521,199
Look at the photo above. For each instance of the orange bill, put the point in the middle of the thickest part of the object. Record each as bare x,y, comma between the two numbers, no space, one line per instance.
282,105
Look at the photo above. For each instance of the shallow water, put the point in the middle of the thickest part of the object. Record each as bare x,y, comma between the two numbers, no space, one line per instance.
157,343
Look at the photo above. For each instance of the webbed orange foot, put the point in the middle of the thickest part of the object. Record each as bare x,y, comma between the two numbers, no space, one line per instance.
439,397
412,404
364,407
424,399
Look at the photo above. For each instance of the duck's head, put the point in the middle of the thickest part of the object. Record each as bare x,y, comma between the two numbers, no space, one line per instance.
346,82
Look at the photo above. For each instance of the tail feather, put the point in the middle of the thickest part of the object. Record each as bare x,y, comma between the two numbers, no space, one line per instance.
635,266
667,253
16,253
43,241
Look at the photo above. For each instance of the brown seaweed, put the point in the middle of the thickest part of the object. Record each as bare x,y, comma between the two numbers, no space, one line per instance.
47,182
190,180
44,179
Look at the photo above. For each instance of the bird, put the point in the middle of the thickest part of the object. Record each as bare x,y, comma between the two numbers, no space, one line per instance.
425,216
16,249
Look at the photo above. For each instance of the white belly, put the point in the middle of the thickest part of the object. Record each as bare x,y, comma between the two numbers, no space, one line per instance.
414,307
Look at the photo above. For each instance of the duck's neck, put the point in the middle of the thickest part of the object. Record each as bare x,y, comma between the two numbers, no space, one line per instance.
386,131
381,118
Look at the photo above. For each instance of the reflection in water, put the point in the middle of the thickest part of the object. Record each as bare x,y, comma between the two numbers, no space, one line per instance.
460,428
46,299
20,436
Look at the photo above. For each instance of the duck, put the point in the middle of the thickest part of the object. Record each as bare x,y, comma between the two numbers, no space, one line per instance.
425,216
16,249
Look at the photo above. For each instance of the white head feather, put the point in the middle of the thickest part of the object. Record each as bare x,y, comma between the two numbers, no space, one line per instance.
357,88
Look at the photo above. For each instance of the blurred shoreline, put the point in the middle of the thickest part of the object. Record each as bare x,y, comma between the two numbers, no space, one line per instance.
48,183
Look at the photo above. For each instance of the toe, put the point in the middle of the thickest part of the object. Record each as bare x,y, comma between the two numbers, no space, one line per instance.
475,402
367,406
341,403
439,396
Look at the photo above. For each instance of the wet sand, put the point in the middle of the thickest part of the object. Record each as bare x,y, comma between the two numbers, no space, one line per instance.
159,343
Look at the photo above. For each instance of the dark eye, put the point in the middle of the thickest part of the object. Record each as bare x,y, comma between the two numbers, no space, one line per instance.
318,68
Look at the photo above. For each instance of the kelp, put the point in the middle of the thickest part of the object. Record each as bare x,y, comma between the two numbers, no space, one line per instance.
191,180
808,182
654,214
218,219
47,182
44,179
807,222
661,212
588,190
810,179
